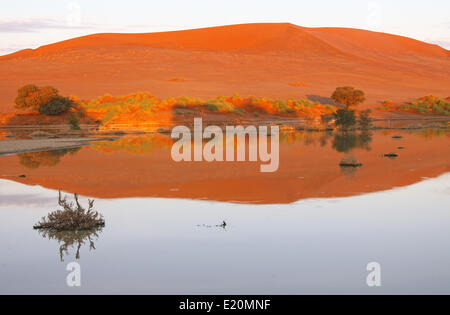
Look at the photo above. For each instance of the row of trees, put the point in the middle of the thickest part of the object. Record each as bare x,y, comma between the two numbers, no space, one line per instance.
48,101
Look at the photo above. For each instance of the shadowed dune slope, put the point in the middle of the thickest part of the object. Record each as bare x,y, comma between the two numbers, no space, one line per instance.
251,59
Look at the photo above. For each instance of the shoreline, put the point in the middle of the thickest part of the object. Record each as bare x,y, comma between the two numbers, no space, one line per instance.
37,145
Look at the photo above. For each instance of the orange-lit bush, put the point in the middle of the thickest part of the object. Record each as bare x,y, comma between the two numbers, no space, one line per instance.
142,107
429,104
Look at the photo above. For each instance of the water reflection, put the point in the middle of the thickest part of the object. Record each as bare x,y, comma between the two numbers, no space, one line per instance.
433,133
349,172
141,166
346,141
33,160
141,144
342,141
72,240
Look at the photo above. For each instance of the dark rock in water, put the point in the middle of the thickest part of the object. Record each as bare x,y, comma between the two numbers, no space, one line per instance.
397,137
22,176
391,155
350,164
350,161
400,148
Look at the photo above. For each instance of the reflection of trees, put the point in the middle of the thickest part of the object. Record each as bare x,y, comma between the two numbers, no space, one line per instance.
72,239
325,137
305,137
432,133
34,160
341,141
346,141
144,144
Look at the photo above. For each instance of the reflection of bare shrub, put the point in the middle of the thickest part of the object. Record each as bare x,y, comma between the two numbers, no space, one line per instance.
72,239
72,217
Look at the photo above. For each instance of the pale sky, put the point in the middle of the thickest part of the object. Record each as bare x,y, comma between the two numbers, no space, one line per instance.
31,23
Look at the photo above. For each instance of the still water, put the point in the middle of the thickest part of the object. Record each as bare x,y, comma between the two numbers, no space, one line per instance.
163,233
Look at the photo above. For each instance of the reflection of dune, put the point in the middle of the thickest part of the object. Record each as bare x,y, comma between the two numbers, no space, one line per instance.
309,168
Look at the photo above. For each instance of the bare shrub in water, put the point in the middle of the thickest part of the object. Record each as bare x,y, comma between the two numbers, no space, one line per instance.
72,217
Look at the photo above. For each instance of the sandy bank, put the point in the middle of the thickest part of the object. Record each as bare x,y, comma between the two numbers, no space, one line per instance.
21,146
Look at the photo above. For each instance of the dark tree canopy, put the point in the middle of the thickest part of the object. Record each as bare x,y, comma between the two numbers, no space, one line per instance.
345,118
348,96
56,106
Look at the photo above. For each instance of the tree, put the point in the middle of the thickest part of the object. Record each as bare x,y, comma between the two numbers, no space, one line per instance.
345,118
365,121
32,97
23,99
348,96
56,106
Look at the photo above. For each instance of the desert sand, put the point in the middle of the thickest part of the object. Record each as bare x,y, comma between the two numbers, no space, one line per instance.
272,60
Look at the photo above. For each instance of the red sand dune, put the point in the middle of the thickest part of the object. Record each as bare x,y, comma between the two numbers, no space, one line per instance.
250,59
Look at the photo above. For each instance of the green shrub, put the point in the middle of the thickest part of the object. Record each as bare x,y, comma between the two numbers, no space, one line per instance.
365,121
345,118
212,107
74,121
281,106
109,115
56,106
239,111
429,104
